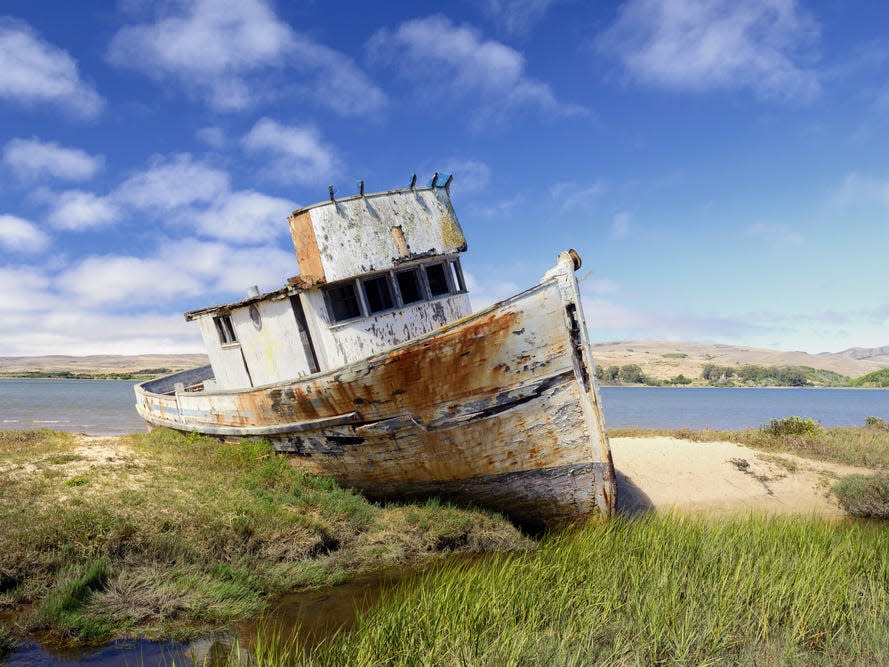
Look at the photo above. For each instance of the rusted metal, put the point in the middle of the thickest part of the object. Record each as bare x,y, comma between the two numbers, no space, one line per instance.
499,408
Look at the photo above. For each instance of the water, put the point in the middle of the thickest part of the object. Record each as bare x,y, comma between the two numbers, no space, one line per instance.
105,407
97,407
727,408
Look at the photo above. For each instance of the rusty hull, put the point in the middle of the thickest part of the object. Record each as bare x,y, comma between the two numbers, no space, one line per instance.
499,409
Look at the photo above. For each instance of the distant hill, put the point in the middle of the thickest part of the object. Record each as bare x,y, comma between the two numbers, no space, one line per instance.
878,354
104,363
663,360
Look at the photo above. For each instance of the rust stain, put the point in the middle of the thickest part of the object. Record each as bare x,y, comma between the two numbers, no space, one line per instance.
306,246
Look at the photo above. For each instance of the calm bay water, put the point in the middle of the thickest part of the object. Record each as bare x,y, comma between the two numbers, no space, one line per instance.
105,407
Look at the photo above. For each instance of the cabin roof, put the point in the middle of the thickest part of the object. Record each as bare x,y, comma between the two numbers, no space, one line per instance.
367,195
274,295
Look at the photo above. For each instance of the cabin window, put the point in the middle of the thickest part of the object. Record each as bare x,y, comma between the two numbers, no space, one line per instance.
457,276
409,286
225,329
343,301
438,280
378,292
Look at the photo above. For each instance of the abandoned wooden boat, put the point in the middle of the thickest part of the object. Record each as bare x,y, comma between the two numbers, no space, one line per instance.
369,367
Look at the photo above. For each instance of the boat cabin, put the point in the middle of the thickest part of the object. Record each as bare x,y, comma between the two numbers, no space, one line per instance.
375,270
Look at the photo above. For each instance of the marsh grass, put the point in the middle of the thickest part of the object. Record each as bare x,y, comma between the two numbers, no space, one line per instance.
655,590
168,535
7,641
850,445
865,496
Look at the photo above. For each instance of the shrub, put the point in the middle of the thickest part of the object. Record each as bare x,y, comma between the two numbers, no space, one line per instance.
876,422
793,426
864,495
680,379
631,373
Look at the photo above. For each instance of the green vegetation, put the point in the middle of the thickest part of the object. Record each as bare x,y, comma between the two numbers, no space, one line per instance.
626,374
168,535
679,379
655,590
801,426
675,355
7,641
878,378
876,422
857,445
864,495
771,376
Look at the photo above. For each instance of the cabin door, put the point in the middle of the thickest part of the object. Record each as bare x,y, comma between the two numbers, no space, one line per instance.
304,335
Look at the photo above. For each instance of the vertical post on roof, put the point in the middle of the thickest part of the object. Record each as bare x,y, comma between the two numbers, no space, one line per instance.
330,191
361,188
435,180
413,181
447,183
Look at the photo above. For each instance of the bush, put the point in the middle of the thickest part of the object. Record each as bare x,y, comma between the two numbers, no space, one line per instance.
680,379
876,422
793,426
864,495
631,373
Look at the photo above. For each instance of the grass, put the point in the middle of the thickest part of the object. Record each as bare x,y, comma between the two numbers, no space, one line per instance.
7,641
864,495
167,535
657,590
866,446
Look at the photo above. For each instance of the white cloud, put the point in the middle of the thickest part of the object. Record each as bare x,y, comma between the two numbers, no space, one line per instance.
33,71
32,158
469,175
483,293
622,226
179,269
517,16
245,216
221,50
862,188
574,196
706,44
213,136
18,235
172,182
132,280
301,155
76,210
449,63
602,287
778,237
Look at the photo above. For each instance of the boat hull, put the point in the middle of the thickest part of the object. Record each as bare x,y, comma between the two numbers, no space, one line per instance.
499,409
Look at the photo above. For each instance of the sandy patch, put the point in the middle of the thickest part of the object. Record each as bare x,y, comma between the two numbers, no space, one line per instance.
664,473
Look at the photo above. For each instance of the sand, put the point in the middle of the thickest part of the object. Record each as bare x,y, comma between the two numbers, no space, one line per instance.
668,474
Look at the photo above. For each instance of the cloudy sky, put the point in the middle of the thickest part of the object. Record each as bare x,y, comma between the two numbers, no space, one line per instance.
723,166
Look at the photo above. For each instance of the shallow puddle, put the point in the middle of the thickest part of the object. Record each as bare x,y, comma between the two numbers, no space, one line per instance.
311,615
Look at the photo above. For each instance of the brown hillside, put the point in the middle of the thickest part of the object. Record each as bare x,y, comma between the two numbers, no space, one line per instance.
650,357
104,363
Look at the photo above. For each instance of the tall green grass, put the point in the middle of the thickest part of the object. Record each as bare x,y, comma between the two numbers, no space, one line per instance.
651,591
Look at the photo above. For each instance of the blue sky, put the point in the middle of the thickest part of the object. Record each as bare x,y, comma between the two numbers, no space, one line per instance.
722,166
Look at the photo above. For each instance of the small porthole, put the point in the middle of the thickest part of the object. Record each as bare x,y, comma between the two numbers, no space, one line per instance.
256,317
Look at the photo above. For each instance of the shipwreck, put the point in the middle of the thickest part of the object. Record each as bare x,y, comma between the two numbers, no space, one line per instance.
369,366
